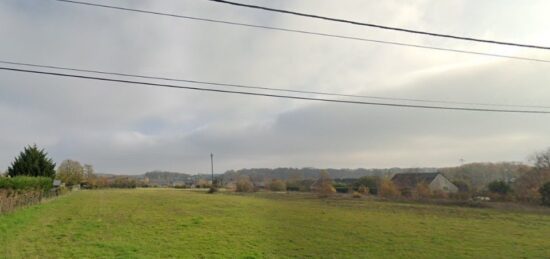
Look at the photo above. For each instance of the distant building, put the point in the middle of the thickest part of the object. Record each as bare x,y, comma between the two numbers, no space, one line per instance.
57,183
179,184
407,182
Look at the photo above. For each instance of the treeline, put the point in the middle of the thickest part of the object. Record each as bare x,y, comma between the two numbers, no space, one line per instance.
478,175
506,181
100,182
323,184
73,174
256,174
167,176
475,175
531,187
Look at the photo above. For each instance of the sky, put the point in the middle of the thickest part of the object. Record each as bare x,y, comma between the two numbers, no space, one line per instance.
125,129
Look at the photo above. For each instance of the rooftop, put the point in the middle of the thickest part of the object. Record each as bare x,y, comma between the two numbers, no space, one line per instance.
413,179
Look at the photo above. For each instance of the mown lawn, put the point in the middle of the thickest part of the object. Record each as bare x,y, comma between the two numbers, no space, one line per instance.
152,223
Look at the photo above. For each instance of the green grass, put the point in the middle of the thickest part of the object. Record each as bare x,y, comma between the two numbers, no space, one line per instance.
153,223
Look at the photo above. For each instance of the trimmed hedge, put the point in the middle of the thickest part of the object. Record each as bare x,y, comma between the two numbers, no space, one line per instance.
26,183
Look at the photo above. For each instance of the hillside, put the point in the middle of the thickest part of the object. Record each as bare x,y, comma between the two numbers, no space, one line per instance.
313,173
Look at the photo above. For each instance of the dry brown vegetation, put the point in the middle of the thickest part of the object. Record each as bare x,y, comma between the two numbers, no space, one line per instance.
388,189
13,199
323,186
244,185
277,185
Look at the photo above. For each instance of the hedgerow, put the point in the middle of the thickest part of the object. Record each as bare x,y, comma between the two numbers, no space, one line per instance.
26,183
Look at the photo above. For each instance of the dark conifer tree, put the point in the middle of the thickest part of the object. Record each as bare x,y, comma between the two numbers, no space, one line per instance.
32,162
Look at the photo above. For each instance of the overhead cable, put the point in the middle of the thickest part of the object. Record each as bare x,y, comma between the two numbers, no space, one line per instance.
150,84
268,88
382,26
322,34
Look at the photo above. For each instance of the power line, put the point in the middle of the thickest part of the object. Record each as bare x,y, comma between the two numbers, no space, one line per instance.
267,88
395,43
381,26
131,82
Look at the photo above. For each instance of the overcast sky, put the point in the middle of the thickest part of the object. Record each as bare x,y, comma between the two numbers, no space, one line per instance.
131,130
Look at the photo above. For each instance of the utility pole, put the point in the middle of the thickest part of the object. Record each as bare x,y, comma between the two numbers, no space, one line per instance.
212,167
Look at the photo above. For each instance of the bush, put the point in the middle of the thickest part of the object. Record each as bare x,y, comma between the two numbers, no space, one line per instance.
499,187
371,182
62,190
277,185
341,188
299,185
99,182
323,186
464,191
545,194
293,188
26,183
202,183
388,189
363,190
123,182
213,189
356,195
244,185
527,186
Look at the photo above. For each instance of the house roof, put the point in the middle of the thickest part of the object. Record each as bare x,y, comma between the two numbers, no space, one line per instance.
410,180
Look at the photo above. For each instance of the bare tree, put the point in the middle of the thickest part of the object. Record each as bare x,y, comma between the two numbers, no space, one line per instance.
527,186
323,186
541,160
89,172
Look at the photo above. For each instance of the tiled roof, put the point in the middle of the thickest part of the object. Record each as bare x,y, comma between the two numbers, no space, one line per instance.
410,180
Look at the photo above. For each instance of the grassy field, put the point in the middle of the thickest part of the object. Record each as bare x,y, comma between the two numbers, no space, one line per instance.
152,223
